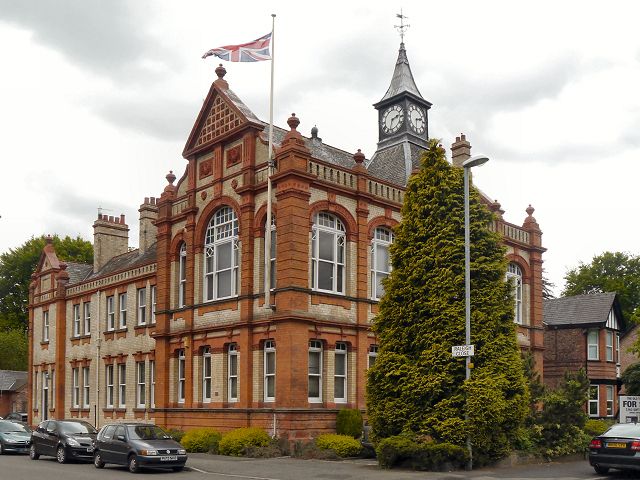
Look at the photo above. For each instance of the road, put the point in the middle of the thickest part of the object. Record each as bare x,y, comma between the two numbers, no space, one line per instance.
18,467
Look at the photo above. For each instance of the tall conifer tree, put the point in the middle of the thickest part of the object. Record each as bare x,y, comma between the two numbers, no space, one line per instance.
415,384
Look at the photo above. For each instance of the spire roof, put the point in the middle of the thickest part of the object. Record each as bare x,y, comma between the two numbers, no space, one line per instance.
402,80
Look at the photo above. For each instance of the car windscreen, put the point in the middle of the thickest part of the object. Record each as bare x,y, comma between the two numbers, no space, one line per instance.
623,430
13,427
146,432
73,428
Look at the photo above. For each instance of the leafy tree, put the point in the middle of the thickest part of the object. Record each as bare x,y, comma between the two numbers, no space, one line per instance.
631,379
16,267
415,384
13,350
609,272
547,287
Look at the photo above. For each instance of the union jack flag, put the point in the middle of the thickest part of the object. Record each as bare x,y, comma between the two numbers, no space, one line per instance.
255,51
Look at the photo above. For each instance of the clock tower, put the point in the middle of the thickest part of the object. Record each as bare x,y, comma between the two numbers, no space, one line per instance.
403,125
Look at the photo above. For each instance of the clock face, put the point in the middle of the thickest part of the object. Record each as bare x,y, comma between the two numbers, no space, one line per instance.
417,119
392,119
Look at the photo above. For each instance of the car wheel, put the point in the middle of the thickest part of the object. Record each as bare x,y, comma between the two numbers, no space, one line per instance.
600,470
1,448
133,464
61,455
33,455
177,469
97,460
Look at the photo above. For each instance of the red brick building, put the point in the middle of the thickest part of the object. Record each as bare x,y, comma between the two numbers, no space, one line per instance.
177,331
583,331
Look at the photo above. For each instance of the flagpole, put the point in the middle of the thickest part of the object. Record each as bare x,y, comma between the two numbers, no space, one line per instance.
267,229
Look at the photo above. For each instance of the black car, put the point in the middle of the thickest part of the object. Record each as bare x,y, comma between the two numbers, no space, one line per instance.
14,436
138,445
618,447
63,439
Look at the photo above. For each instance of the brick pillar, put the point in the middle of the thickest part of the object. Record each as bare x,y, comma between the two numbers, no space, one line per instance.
62,278
460,150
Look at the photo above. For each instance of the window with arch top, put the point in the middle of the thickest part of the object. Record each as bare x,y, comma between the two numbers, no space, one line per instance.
221,256
182,275
380,260
328,253
514,275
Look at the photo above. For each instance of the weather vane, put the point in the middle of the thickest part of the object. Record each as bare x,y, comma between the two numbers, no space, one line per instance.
402,27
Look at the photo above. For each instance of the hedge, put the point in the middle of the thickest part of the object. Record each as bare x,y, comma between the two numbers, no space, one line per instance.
341,445
201,440
236,441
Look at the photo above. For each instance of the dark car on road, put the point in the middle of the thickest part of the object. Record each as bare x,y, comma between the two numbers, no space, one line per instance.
14,437
618,447
138,445
64,439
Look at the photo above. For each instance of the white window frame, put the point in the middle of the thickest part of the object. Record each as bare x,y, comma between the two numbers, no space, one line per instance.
608,345
328,228
182,275
122,304
233,367
122,385
207,382
75,387
142,306
76,320
111,313
141,384
273,253
221,232
514,275
610,397
108,379
45,326
86,308
594,402
45,394
617,348
340,377
269,375
86,387
593,348
181,376
315,349
154,296
382,240
372,356
152,388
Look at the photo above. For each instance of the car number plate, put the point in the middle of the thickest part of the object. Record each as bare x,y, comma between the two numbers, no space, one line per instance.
616,445
89,449
169,458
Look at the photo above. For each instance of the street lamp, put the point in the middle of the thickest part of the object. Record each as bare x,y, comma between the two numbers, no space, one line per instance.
467,165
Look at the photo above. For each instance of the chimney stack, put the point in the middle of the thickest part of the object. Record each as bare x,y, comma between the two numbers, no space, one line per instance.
148,215
110,239
460,150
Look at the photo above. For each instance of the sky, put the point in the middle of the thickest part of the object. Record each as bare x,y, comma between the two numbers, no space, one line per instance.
97,99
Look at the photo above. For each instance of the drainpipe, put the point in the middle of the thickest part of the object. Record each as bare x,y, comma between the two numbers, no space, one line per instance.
98,343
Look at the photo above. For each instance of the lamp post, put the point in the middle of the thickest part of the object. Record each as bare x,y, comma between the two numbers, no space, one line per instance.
467,165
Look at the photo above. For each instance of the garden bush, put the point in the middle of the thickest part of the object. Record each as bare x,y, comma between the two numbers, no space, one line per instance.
201,440
349,422
175,433
236,441
413,452
341,445
593,427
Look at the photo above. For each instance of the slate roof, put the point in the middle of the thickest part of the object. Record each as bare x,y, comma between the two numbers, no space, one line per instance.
395,163
402,80
78,271
12,380
579,310
126,261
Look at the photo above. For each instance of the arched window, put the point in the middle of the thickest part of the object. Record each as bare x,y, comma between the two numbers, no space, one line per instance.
221,256
272,284
380,260
328,253
182,275
514,275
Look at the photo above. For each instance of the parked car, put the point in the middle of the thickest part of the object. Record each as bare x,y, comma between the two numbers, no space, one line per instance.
22,417
618,447
63,439
14,437
138,445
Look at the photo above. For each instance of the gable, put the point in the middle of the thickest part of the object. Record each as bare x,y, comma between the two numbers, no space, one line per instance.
220,119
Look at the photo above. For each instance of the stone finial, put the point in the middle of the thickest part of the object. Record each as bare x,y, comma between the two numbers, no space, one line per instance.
220,81
359,157
314,134
530,223
170,177
530,210
293,122
62,276
496,208
48,239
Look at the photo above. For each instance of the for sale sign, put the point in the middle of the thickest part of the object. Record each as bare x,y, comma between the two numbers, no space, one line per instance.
629,408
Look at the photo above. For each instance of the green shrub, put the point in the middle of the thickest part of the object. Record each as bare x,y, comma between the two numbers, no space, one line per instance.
593,427
309,451
201,440
349,422
175,433
410,451
342,445
236,441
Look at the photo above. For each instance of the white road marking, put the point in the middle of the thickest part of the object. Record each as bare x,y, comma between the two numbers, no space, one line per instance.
232,475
